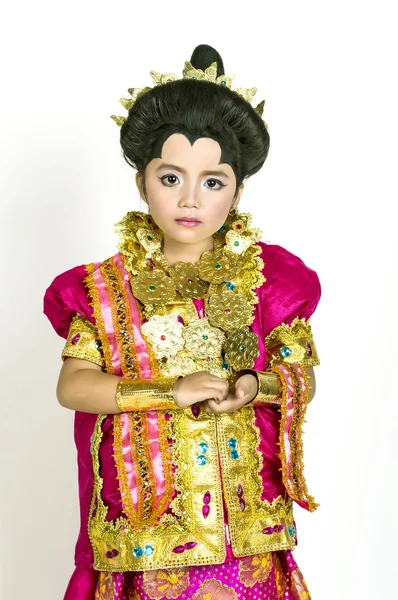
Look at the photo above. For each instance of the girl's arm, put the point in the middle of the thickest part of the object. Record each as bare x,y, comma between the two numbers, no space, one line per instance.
83,386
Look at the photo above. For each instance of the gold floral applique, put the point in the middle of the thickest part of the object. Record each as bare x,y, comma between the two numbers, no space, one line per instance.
212,589
166,583
229,311
202,339
217,267
164,333
152,287
253,569
241,348
186,280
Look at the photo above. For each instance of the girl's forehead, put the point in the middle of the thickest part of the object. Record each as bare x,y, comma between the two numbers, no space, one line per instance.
202,154
178,143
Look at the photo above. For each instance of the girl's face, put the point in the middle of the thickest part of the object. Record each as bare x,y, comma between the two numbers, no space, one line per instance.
188,191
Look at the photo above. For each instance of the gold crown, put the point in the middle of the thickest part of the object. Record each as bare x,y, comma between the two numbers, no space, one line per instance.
189,72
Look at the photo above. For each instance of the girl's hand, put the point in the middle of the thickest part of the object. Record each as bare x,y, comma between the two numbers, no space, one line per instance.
240,393
199,387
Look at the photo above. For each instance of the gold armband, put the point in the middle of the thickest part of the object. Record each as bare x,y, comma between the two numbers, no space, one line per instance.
288,344
83,342
144,394
269,388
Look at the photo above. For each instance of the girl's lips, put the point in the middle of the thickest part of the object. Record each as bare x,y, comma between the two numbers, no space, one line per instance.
188,222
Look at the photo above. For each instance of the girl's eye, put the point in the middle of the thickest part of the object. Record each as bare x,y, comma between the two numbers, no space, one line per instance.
168,177
216,181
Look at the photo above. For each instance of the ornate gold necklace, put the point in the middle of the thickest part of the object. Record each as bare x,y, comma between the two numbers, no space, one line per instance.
225,278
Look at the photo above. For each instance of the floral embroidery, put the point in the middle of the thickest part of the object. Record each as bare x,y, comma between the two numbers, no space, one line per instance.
168,583
253,569
105,588
280,578
298,586
214,590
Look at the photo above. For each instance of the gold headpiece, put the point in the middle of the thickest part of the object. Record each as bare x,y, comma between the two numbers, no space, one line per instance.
189,72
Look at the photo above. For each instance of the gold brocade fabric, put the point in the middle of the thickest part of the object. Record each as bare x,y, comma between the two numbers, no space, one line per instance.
83,342
189,535
292,344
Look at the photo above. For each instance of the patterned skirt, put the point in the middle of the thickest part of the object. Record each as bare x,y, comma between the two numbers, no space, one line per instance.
267,576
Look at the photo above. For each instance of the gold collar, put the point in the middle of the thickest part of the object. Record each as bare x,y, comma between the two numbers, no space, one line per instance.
225,278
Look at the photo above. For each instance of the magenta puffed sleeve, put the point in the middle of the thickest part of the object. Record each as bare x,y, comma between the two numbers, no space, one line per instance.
291,289
66,297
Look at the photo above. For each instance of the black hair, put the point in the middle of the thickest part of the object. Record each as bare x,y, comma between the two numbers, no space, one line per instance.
197,108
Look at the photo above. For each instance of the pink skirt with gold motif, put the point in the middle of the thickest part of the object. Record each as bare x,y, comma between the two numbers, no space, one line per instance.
267,576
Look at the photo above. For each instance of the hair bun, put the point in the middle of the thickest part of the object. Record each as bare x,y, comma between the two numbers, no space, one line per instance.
203,56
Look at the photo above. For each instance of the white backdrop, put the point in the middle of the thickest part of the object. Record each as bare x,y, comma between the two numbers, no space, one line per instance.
327,71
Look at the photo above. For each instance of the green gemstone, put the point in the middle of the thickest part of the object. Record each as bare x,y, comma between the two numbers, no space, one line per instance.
223,83
152,288
218,266
205,336
149,238
236,243
193,77
242,348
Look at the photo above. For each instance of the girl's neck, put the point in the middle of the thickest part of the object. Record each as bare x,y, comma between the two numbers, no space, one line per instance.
178,252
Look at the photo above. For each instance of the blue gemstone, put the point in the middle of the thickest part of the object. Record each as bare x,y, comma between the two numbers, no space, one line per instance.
201,460
225,366
137,551
290,530
203,448
234,454
230,285
149,550
285,351
232,443
222,228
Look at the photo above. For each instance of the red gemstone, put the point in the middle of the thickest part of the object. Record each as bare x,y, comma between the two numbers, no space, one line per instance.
240,491
190,545
206,498
242,504
190,280
309,350
75,339
178,549
268,530
239,226
205,510
227,311
162,337
195,410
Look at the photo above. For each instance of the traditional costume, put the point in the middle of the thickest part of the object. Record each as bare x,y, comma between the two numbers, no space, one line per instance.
175,502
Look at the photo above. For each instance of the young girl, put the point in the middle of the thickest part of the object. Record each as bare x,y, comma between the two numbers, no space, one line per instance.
189,362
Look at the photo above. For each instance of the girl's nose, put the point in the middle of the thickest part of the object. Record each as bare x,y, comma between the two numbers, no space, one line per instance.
189,198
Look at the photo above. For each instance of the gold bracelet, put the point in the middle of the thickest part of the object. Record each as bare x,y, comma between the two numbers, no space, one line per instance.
144,394
269,388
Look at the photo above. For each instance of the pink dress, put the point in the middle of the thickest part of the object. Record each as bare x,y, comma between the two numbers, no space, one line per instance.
291,290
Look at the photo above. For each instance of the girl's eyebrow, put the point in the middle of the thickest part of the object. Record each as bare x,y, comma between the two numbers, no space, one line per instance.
181,170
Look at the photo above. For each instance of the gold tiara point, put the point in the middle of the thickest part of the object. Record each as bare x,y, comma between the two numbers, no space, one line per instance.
190,72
